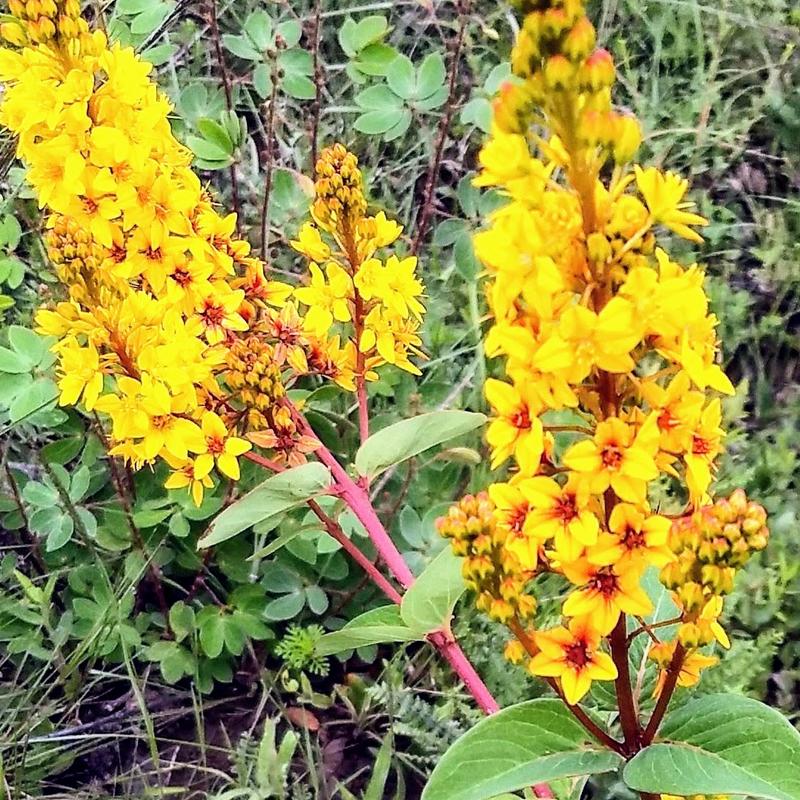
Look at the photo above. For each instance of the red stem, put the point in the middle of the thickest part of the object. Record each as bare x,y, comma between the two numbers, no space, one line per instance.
628,717
673,671
335,530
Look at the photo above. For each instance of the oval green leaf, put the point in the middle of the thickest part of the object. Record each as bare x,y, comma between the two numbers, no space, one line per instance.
519,746
721,744
380,625
276,495
429,602
410,437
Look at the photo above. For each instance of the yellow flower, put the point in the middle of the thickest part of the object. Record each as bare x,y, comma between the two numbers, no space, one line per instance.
563,513
634,538
618,456
328,296
517,429
220,448
309,242
586,340
81,376
573,656
706,445
663,193
605,592
187,476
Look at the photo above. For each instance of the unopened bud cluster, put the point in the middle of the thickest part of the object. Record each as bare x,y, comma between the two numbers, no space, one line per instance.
42,21
339,194
489,568
254,377
710,546
74,254
555,55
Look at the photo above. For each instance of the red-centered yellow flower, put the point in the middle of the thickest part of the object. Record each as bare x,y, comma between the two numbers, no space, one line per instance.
585,340
186,475
517,430
663,193
218,313
618,456
511,511
220,447
706,445
676,406
635,538
573,656
563,513
605,593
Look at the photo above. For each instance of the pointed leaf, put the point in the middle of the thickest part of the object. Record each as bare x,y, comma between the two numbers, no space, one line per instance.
428,604
411,437
275,495
380,625
519,746
721,744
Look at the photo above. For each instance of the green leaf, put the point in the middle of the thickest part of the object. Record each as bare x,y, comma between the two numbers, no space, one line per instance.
290,31
212,634
275,495
60,534
721,744
402,125
430,76
378,121
375,60
402,78
377,97
39,396
240,46
28,344
410,437
216,133
380,625
354,37
13,362
429,602
286,606
262,81
299,86
519,746
181,620
258,26
478,112
317,600
150,20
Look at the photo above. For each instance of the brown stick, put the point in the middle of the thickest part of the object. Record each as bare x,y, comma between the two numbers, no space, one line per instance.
226,85
441,136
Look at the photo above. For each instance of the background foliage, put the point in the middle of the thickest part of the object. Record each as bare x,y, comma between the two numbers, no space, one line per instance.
132,664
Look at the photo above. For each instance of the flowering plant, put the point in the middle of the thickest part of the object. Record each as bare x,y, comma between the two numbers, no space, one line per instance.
610,418
607,419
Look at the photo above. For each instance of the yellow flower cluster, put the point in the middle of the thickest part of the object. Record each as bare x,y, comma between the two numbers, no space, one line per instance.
490,567
171,327
362,311
609,348
710,545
